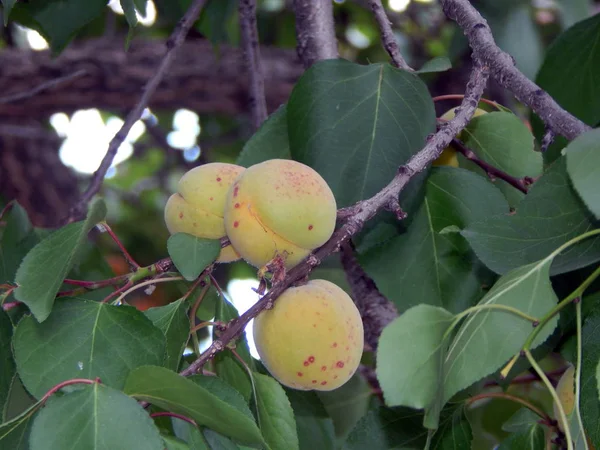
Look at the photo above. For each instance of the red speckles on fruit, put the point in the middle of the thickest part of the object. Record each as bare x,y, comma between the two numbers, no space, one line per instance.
314,325
236,189
335,377
300,374
211,199
339,364
323,368
306,363
311,359
218,178
237,205
181,215
236,224
314,381
334,345
310,227
323,383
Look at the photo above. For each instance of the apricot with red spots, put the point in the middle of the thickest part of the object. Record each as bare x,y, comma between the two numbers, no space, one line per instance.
197,207
279,207
305,357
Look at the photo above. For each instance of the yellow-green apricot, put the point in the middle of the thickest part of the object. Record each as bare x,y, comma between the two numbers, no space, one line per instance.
448,156
279,207
312,338
197,207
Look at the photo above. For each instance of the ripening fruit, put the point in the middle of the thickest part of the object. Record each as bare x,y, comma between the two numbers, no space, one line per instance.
312,338
197,207
279,207
448,156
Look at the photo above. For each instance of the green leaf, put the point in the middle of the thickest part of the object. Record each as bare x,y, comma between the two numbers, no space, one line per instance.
7,365
172,443
550,215
94,417
191,254
431,267
572,11
7,6
489,338
454,432
190,434
356,125
129,10
589,402
502,140
275,414
59,20
173,321
43,270
439,64
583,166
269,142
170,391
410,375
214,19
526,432
386,428
217,441
313,425
17,239
85,339
224,391
14,435
569,72
226,365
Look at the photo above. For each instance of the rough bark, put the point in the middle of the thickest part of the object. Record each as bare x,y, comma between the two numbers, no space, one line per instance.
201,79
315,31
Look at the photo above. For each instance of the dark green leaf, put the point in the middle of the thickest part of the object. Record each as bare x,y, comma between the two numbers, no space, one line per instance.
190,434
17,239
550,215
269,142
526,431
172,443
94,417
275,414
569,72
386,428
85,339
314,427
226,365
129,10
489,338
583,165
191,254
439,64
59,20
214,18
14,435
410,374
454,432
7,5
173,321
170,391
589,398
433,268
43,270
224,391
217,441
356,124
7,365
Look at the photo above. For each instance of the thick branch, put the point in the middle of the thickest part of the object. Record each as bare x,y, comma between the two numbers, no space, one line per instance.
387,35
200,79
315,31
364,211
172,44
258,103
503,70
375,309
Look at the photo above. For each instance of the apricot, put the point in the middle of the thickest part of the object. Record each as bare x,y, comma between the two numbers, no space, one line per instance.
197,207
279,207
312,338
448,156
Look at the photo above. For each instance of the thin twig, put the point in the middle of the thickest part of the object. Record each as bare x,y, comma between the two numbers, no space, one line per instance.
518,183
42,87
387,35
132,263
258,101
503,70
367,209
173,43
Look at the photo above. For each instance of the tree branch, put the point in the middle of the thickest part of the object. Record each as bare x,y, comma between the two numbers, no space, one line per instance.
42,87
315,31
173,43
503,70
375,309
258,102
387,35
365,210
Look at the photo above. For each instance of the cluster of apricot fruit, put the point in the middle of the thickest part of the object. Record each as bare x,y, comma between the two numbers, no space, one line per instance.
313,336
